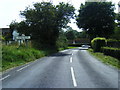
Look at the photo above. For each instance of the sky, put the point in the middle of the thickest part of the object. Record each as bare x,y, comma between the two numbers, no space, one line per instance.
10,10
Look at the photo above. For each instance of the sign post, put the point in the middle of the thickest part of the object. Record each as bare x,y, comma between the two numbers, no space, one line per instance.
22,38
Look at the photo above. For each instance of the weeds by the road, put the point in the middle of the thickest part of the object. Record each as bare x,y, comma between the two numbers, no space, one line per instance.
13,56
106,59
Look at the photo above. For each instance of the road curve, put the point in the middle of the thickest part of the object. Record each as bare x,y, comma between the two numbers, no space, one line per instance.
72,68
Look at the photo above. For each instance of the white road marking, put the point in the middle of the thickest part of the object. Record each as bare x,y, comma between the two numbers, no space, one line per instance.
22,68
4,77
72,53
71,60
73,77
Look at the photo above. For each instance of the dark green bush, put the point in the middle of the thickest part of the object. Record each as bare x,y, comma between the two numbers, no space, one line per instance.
114,52
97,43
113,43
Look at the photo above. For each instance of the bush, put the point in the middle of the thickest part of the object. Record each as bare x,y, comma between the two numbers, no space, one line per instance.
97,43
113,43
114,52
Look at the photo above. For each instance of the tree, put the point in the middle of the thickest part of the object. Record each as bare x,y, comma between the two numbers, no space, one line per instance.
96,18
71,34
116,34
23,28
82,34
46,20
62,41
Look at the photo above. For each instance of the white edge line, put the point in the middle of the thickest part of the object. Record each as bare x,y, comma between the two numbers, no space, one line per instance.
4,77
73,77
22,68
70,59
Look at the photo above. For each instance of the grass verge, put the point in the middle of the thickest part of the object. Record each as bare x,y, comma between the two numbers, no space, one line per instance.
60,49
71,47
13,56
106,59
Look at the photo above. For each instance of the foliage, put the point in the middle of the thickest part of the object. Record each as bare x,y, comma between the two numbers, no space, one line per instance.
13,25
97,43
62,41
82,34
13,56
97,18
1,37
23,28
106,59
45,21
114,52
70,34
116,34
113,43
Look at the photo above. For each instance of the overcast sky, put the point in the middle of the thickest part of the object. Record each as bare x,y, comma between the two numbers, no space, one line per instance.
10,10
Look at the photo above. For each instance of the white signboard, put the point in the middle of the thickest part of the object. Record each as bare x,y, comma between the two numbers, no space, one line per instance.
23,37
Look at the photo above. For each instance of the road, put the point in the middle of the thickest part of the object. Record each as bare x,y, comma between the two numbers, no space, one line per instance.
72,68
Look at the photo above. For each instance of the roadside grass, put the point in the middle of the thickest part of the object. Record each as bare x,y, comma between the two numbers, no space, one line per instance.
106,59
13,56
71,47
60,49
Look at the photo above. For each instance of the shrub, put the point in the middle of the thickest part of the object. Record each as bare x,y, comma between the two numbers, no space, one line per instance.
114,52
113,43
97,43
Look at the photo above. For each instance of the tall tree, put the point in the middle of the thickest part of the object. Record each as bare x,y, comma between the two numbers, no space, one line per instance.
45,21
97,18
116,34
71,34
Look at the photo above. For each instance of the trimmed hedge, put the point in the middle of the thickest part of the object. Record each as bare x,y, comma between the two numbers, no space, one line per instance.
114,52
97,43
113,43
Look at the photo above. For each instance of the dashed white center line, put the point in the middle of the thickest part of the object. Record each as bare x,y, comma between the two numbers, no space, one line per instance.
72,53
4,77
22,68
73,77
71,60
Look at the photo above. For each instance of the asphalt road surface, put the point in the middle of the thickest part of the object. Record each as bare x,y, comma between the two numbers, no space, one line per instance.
72,68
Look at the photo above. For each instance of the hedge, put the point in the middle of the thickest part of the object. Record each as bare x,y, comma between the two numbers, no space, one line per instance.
114,52
113,43
97,43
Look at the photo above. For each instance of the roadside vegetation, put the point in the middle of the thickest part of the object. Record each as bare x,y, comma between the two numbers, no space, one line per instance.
104,33
13,55
106,59
106,51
